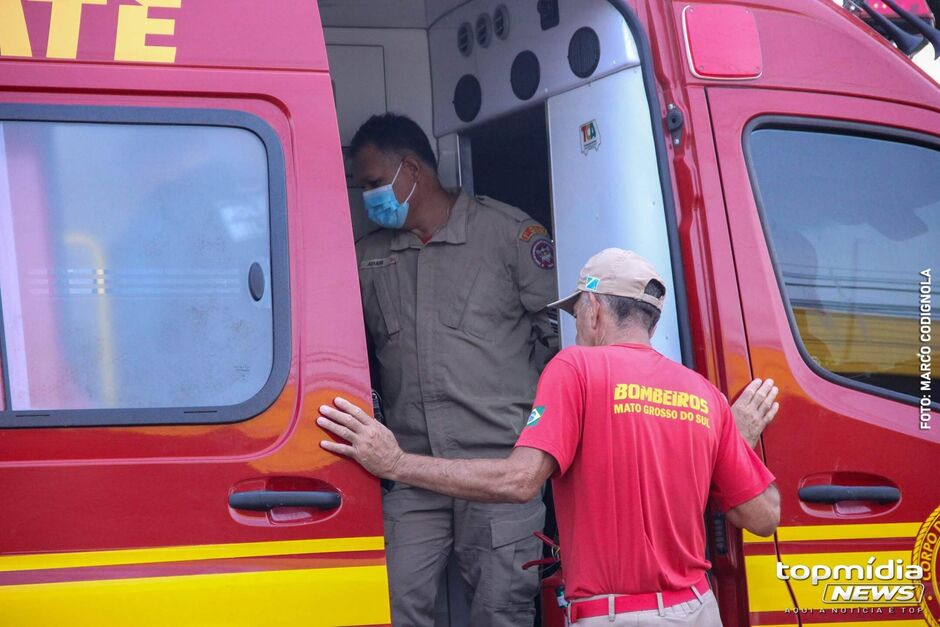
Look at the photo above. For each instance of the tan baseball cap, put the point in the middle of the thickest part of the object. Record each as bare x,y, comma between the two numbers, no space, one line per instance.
616,272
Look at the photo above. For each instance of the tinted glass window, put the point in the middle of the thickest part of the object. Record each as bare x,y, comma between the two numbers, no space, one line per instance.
125,253
853,221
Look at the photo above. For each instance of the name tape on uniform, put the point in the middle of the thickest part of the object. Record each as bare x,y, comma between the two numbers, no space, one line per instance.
378,263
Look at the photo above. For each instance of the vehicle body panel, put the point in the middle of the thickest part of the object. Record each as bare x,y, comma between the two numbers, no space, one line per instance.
139,514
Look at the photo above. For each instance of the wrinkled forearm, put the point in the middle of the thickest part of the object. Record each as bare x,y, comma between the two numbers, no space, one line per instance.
760,515
490,480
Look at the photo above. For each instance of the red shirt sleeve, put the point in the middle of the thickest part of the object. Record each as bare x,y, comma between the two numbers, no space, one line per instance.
738,475
554,426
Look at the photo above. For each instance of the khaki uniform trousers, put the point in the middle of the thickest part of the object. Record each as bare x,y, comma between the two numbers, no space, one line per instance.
694,613
491,541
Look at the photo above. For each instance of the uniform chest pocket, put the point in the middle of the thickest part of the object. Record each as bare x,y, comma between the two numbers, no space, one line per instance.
380,300
479,301
386,293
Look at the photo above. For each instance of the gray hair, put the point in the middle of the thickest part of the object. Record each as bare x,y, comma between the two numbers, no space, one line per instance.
626,309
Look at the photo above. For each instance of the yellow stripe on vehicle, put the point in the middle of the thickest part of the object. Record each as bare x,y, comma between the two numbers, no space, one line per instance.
808,620
837,532
322,596
767,593
44,561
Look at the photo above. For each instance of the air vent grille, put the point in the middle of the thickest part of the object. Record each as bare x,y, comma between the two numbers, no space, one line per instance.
501,22
484,30
465,39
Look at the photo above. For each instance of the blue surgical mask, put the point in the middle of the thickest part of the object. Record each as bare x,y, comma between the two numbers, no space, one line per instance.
383,207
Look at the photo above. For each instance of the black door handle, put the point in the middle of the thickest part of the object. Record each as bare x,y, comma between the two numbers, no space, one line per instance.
836,493
263,500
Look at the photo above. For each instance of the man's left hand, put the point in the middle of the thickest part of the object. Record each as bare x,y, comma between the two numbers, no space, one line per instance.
755,409
370,442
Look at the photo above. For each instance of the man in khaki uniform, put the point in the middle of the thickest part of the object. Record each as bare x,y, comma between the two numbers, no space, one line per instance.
453,292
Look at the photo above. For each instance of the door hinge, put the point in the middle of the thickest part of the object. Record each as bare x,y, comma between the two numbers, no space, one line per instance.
674,123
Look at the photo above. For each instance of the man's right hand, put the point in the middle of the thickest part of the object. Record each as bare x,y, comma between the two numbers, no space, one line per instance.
370,442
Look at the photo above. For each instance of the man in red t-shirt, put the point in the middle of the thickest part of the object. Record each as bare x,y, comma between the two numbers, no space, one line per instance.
636,445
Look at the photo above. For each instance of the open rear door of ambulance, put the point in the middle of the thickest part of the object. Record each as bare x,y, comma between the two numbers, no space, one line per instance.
833,205
178,292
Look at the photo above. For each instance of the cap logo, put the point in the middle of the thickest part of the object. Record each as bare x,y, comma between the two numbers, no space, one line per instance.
591,283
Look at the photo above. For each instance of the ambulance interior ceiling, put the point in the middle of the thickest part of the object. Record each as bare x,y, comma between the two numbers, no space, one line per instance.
476,76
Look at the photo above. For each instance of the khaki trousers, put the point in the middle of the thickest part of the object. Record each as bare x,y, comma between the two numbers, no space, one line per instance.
692,613
491,542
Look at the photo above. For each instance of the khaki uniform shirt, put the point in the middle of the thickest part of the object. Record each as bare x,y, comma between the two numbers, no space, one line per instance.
458,327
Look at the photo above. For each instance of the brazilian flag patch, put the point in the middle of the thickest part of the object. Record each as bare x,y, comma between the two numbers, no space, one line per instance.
535,416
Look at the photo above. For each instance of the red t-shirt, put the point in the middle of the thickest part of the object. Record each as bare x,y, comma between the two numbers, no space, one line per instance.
641,442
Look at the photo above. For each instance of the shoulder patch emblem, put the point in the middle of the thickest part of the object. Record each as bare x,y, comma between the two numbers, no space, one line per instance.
535,416
377,263
531,231
543,254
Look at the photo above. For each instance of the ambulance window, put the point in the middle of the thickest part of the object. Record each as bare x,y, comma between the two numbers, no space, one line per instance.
853,219
135,272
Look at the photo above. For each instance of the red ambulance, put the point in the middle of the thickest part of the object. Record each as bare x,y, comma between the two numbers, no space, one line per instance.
178,285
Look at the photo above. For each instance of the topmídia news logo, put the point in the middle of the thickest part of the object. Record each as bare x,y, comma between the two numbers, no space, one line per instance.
874,584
